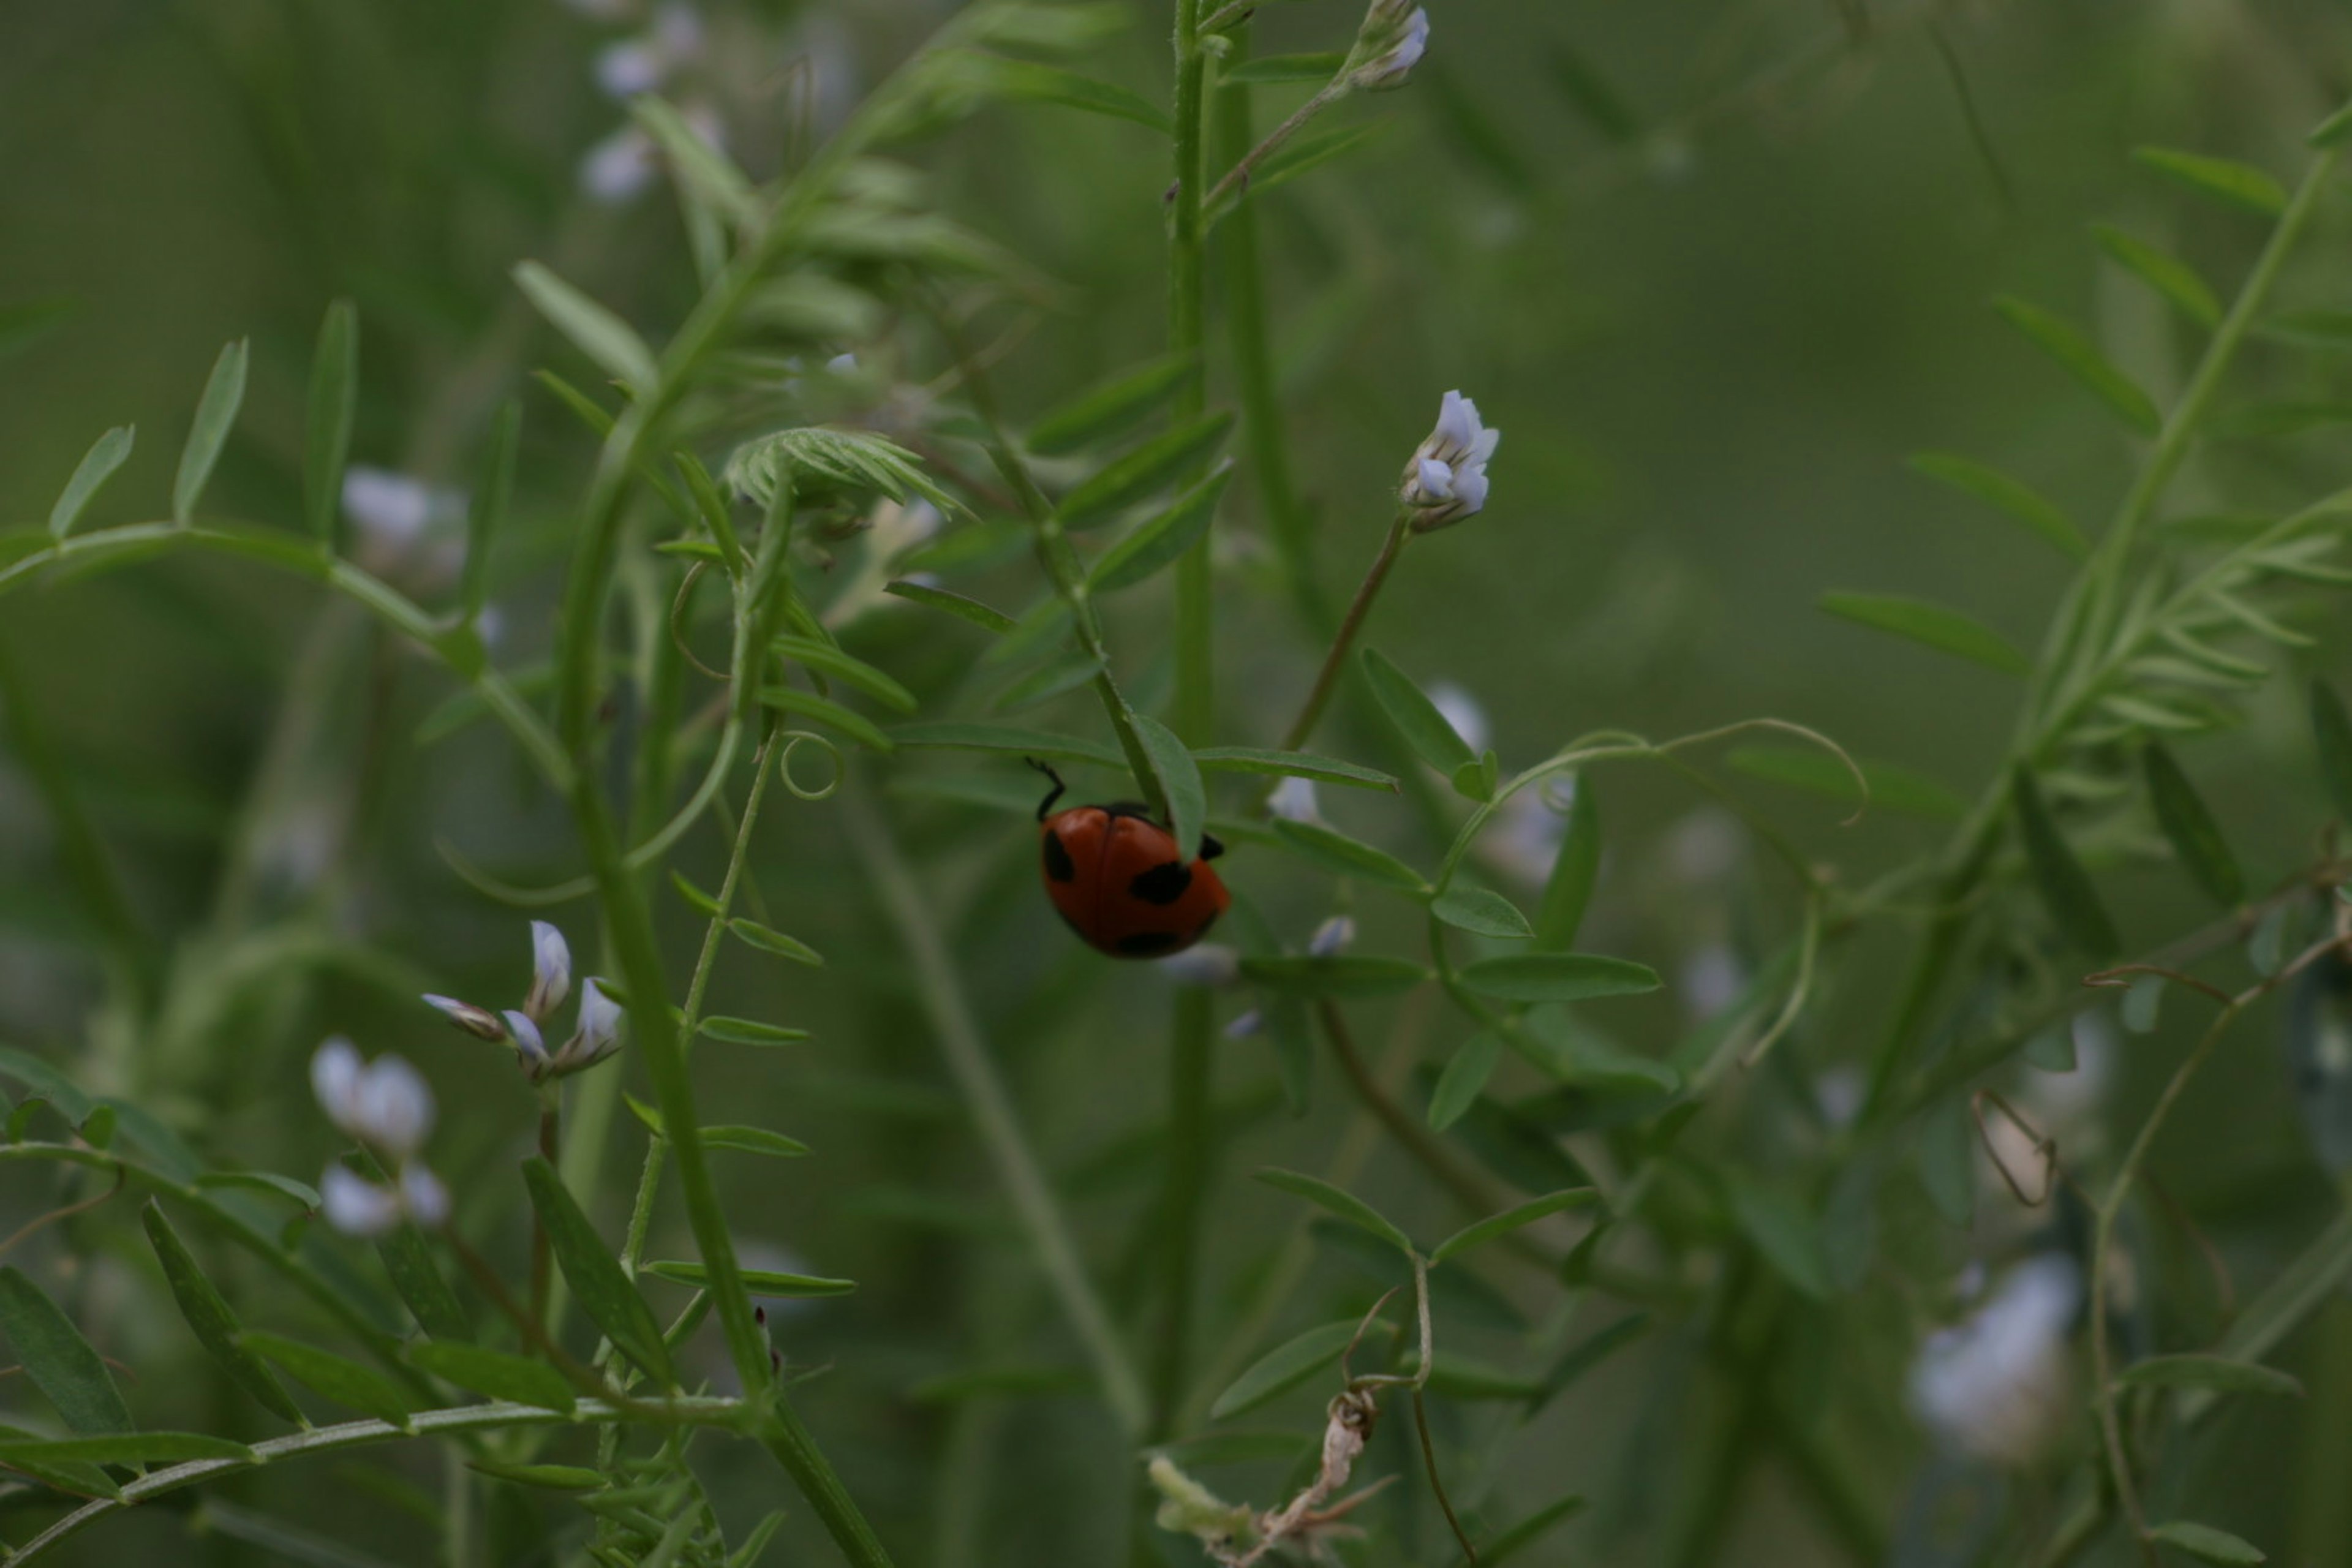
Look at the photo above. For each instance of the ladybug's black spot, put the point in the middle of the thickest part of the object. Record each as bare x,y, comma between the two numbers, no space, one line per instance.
1149,943
1163,884
1059,866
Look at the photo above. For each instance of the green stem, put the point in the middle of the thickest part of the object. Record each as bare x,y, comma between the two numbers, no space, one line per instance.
1367,592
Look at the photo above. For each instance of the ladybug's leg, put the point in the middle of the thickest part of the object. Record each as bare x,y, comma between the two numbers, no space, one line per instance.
1045,805
1211,847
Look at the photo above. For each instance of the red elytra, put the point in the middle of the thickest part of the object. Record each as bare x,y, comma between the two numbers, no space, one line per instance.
1120,880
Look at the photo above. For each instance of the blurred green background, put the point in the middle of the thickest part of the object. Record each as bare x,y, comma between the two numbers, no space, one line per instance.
1713,268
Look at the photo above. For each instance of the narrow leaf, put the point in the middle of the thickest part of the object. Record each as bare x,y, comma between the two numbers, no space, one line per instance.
1932,626
752,1140
495,1373
1556,977
1893,786
1291,765
1511,1219
492,500
2188,822
2207,1544
408,1262
1051,84
334,1377
705,170
60,1362
334,402
1267,69
1117,405
849,671
1309,152
2225,180
216,413
1464,1079
756,1281
1416,717
1180,781
2081,359
827,712
1151,466
1161,542
2172,279
957,604
1285,1367
554,1477
592,329
588,1264
770,941
1337,1201
2219,1373
1481,910
98,466
749,1031
959,735
2065,889
1345,857
1997,490
210,1317
1568,889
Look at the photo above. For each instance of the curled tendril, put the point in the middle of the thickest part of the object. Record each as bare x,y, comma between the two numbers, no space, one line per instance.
792,737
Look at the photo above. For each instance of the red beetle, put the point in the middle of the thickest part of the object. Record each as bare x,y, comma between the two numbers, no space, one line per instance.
1121,880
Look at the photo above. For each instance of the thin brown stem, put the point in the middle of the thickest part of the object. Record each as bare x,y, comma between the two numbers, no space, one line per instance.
1327,680
1466,1188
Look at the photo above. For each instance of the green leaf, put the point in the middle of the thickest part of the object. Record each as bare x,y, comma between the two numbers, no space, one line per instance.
1945,630
210,1317
334,1377
1997,490
1511,1219
1478,909
1163,461
1569,890
825,710
595,1277
2081,359
1338,1202
408,1262
2174,279
705,170
1115,406
752,1140
594,331
126,1449
1285,1367
749,1031
1556,977
334,402
849,671
2220,1373
302,1195
1416,717
2066,890
1308,152
1345,857
768,940
216,413
2331,733
2188,822
963,736
1785,1232
44,1082
1291,765
756,1281
492,501
552,1477
1892,785
1064,672
2206,1543
1465,1078
1270,69
2302,1288
1180,781
60,1362
495,1373
98,466
1339,975
1161,542
1050,84
957,604
2225,180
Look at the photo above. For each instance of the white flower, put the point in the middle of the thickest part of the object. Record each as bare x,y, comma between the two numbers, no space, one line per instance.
1995,1385
598,1035
1390,45
842,364
479,1022
528,1043
424,1197
1209,965
336,1068
1446,480
1333,937
1459,709
644,63
355,1206
1528,832
618,169
1294,800
551,972
385,1104
393,511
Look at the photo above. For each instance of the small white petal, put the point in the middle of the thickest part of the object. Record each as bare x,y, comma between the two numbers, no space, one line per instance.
1470,490
390,510
600,1019
479,1022
355,1206
1210,963
1331,938
336,1069
630,67
527,1038
395,1106
551,972
1245,1025
842,364
1294,800
1457,421
422,1193
619,168
1436,479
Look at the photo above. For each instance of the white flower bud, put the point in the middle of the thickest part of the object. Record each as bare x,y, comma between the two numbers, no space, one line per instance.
528,1043
479,1022
551,972
424,1197
355,1206
394,1107
1209,965
599,1032
1294,800
336,1069
1446,480
618,169
1333,937
1388,46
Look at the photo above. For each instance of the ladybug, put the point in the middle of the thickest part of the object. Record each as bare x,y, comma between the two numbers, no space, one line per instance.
1119,879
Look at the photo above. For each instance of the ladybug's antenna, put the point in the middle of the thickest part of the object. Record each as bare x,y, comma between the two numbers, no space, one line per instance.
1045,805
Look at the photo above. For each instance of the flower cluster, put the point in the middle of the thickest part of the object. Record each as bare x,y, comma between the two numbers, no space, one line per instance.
1446,480
596,1026
1394,36
386,1107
